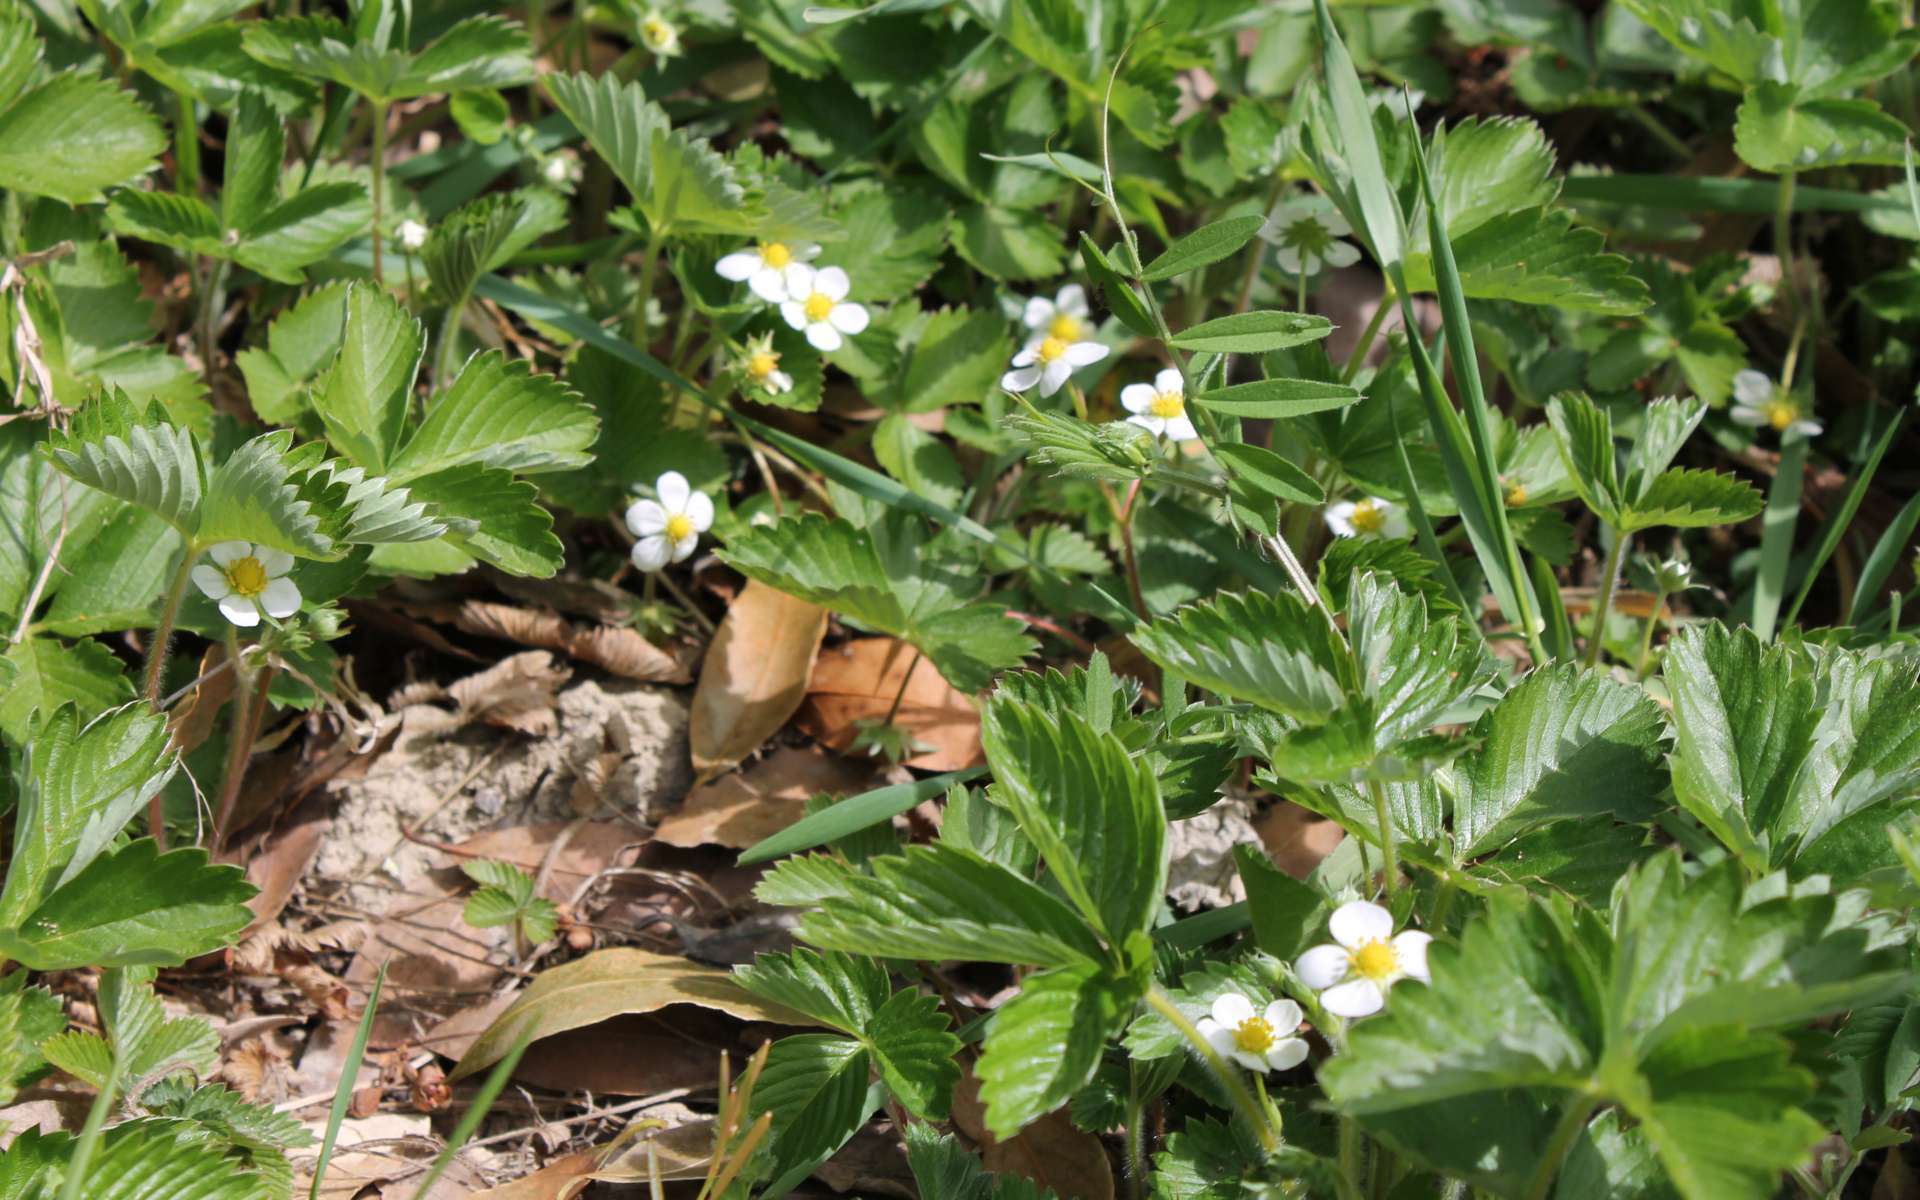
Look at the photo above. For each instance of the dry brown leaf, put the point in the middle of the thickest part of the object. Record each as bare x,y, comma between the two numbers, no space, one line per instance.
858,681
625,653
530,627
515,693
741,809
754,675
1296,839
191,722
278,868
606,984
561,1179
1052,1151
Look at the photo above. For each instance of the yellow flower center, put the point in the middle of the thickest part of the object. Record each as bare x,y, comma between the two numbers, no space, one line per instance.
1516,495
1168,405
1066,328
679,528
1255,1035
1052,348
656,33
775,254
1369,517
1374,960
246,576
762,363
1780,414
819,306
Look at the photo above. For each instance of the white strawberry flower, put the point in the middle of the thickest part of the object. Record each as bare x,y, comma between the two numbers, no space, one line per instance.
659,35
1257,1039
668,528
413,235
1066,316
246,580
1368,516
1306,232
759,365
1757,401
763,268
563,170
817,305
1367,959
1160,407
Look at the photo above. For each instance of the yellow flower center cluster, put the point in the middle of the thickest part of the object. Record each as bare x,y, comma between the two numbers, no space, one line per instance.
1374,960
1168,405
775,254
1052,348
819,306
1780,414
1255,1035
1369,517
1066,328
762,363
679,528
1516,495
656,33
246,576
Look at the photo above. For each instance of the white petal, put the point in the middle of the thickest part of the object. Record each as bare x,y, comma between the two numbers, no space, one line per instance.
1084,354
281,598
804,251
1335,224
1395,524
1339,517
739,265
1232,1009
823,337
1053,376
651,553
699,510
770,284
1257,1063
1038,313
848,318
832,282
1355,998
1147,421
1289,259
1284,1016
794,313
225,553
779,382
1169,380
1072,300
274,562
212,581
1342,254
799,279
1747,415
1288,1054
1806,428
1137,397
683,549
646,518
1358,922
1020,378
1752,388
1410,952
673,489
240,611
1322,967
1027,356
1180,429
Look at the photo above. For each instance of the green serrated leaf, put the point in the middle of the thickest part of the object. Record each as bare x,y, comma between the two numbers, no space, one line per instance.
75,136
369,387
841,990
1268,649
1043,1045
1253,333
500,414
134,907
915,1051
137,457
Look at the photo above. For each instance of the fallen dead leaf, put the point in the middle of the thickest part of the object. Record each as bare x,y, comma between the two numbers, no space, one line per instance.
858,681
1052,1151
517,692
754,675
561,1179
278,867
191,721
617,649
607,984
740,809
1296,840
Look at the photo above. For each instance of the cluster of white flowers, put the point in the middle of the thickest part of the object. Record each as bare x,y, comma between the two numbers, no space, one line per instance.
1059,342
668,528
1758,401
811,301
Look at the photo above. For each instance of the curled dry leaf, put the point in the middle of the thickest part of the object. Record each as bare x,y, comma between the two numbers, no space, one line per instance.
606,984
613,648
754,675
514,693
858,680
561,1179
192,719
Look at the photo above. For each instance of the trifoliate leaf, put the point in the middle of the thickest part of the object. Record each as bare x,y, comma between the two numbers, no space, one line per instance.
1778,129
255,496
493,517
1536,256
136,456
1689,499
1009,243
956,358
484,235
369,387
915,1050
39,674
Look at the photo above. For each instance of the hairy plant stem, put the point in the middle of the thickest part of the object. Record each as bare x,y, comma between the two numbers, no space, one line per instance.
1390,861
379,183
1243,1099
1646,637
169,613
210,298
1604,599
1783,242
1348,1176
249,712
649,272
186,146
1136,1167
449,339
1573,1120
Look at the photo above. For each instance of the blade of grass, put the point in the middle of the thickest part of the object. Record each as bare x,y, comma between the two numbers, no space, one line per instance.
1776,538
476,1112
1887,553
852,815
1716,195
343,1093
1558,633
1842,518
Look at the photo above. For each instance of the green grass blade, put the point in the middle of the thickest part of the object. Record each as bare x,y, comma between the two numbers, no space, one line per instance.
1678,193
1558,631
1842,518
476,1112
1354,118
852,815
1191,933
343,1093
1887,554
1776,538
